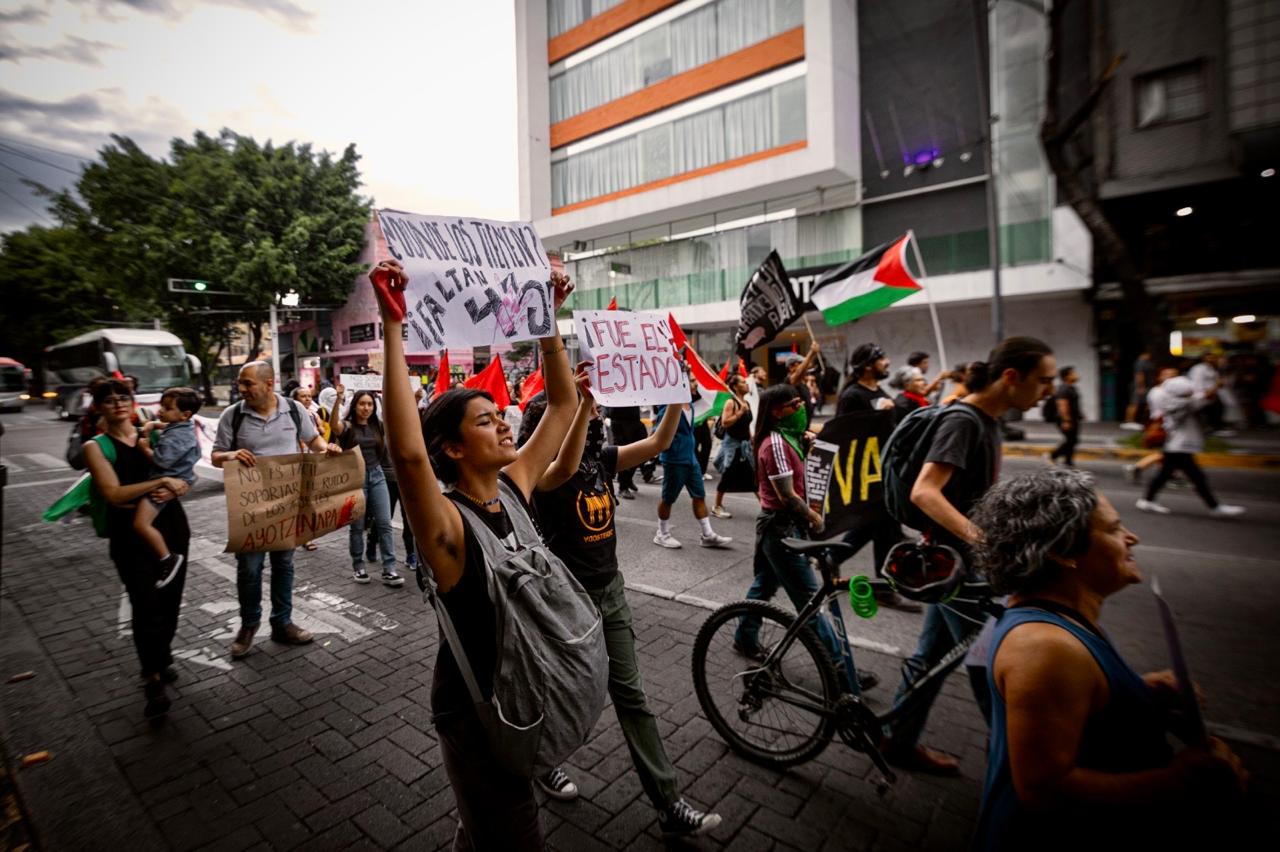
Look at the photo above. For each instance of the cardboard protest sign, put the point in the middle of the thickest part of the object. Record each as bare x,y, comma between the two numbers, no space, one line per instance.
855,489
472,282
633,359
353,382
286,501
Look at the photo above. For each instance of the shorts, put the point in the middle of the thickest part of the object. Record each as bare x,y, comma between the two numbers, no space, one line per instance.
678,476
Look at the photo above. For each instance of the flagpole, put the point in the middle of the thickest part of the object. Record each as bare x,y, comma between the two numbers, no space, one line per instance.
813,339
928,294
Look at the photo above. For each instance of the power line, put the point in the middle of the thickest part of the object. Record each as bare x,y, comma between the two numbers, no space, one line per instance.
44,148
23,205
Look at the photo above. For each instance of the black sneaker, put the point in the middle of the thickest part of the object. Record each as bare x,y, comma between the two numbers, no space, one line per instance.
168,569
681,820
557,785
868,681
392,579
628,495
157,700
359,574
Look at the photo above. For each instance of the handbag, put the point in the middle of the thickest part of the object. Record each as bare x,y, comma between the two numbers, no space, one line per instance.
1153,436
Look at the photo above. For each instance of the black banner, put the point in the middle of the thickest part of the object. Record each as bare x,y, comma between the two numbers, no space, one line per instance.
846,457
769,304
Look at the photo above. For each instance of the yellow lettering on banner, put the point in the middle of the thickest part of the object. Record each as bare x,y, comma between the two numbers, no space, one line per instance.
870,458
844,478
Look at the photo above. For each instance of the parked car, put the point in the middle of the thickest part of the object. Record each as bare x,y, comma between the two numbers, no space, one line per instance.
13,385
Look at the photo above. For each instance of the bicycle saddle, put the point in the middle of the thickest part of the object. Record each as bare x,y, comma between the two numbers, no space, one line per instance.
839,550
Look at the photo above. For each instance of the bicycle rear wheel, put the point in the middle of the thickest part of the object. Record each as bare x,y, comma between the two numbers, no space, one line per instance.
779,714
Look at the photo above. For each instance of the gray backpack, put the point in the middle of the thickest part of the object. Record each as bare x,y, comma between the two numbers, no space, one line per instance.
552,670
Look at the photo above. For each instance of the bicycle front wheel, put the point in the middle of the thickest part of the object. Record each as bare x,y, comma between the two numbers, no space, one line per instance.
779,713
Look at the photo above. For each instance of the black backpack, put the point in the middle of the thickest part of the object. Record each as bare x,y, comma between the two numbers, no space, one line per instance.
903,458
238,415
1049,409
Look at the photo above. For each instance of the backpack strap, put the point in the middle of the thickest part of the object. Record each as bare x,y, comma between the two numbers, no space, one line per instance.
238,415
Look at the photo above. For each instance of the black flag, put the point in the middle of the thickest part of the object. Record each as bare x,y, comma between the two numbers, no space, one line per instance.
769,304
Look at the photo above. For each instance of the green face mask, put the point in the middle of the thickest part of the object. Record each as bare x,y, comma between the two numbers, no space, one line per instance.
795,422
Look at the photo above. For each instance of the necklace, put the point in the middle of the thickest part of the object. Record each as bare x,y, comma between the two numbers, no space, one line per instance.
483,504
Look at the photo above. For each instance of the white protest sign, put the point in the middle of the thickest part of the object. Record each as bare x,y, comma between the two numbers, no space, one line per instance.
633,359
352,382
472,282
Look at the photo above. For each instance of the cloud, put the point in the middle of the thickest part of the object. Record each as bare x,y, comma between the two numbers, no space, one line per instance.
86,121
25,15
73,49
285,12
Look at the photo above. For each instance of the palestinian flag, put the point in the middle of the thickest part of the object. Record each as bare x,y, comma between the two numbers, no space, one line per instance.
711,388
865,285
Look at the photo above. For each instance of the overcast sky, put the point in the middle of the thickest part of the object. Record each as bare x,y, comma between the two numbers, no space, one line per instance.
424,88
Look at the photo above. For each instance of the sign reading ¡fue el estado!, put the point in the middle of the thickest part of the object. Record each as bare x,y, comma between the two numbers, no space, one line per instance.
472,282
633,361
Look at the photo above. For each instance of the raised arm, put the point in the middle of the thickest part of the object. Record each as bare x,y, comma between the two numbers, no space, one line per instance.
562,399
570,455
639,452
435,521
336,426
796,374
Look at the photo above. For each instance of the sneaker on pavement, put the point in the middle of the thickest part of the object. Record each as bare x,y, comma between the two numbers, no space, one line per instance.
157,700
721,512
291,634
168,569
714,540
755,655
1132,473
392,580
706,477
359,574
626,494
411,562
682,820
1131,426
557,785
1226,510
868,681
1152,506
243,642
666,540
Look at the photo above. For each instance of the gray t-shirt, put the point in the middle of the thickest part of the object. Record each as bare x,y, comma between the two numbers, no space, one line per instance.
265,436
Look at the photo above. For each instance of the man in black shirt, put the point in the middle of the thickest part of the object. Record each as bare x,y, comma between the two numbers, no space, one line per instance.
962,463
1067,399
863,395
626,427
575,507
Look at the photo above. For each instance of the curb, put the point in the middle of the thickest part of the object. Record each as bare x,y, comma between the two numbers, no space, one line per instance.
1255,461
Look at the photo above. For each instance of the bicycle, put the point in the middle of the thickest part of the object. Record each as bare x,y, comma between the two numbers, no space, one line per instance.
785,707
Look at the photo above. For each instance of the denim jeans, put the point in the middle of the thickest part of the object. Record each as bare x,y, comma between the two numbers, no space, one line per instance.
775,567
249,587
942,630
377,505
626,688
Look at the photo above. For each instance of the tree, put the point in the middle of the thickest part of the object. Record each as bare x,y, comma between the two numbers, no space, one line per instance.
1145,329
256,220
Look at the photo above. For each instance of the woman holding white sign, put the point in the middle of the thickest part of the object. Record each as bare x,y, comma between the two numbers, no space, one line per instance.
362,428
503,710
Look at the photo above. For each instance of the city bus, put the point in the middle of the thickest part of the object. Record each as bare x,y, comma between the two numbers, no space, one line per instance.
13,385
155,358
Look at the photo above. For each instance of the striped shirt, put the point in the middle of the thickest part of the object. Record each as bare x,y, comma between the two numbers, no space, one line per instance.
777,460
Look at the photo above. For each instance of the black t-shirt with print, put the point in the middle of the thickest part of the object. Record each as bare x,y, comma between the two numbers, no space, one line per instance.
577,522
974,452
859,397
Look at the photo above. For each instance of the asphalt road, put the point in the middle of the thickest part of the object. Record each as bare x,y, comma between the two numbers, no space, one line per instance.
1222,576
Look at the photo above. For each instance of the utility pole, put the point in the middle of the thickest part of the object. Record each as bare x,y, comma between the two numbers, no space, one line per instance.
980,21
275,343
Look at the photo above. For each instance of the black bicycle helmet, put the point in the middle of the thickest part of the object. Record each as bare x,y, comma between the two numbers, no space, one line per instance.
930,573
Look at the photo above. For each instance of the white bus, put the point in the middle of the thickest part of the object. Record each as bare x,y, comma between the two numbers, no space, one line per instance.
155,358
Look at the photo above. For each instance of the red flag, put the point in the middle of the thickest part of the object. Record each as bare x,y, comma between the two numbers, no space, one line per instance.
677,335
531,387
705,376
724,371
613,304
492,380
742,368
793,348
442,377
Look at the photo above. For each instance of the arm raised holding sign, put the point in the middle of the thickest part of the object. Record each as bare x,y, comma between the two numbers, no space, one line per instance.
462,438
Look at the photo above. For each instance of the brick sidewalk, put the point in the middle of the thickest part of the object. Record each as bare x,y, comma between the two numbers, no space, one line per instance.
330,746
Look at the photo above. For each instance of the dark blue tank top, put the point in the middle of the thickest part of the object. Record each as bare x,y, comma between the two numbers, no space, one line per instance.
1128,735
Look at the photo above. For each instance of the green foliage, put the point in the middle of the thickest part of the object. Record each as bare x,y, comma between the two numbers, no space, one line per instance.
254,219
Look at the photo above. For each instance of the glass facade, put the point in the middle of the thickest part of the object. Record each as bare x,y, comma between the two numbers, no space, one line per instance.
564,15
747,125
695,38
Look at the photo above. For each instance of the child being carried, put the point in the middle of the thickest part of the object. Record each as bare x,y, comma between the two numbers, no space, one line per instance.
174,454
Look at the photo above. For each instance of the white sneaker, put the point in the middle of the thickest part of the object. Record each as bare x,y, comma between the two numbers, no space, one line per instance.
666,540
1226,510
707,477
721,512
1152,506
1131,426
714,540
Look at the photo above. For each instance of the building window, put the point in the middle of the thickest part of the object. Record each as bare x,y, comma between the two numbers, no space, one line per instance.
564,15
758,122
1174,94
695,38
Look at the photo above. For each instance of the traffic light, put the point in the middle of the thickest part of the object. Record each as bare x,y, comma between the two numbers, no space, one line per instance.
195,285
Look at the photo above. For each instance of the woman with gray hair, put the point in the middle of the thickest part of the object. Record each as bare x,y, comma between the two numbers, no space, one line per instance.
1075,733
914,391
